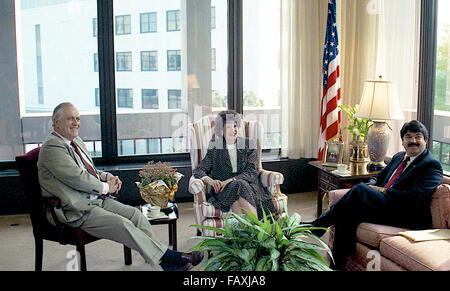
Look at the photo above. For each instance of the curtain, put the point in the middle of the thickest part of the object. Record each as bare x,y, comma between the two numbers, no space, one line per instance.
376,37
399,59
302,36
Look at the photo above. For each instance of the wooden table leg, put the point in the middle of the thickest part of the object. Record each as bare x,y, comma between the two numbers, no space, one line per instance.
319,197
170,225
173,235
127,255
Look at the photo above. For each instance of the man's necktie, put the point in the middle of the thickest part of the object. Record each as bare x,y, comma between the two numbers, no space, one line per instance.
86,164
397,174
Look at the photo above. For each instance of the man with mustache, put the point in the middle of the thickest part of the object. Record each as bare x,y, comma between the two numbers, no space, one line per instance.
399,195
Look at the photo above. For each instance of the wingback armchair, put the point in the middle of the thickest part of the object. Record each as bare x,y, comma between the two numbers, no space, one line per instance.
200,134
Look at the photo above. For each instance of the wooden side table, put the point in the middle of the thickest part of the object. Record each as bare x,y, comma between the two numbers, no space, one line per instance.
327,180
171,222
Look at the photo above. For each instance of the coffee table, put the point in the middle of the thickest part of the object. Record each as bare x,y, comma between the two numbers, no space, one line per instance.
171,222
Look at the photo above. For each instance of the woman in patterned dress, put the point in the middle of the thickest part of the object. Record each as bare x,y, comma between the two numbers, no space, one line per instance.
230,167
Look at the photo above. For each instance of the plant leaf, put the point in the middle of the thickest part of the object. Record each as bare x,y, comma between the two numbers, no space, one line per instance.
219,230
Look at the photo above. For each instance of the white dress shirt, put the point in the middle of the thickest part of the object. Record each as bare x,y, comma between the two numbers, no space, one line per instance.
232,152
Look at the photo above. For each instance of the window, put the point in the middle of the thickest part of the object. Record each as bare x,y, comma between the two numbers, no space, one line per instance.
40,85
94,27
213,17
261,73
125,98
150,99
213,59
149,61
123,62
97,97
173,20
37,38
173,60
95,62
174,99
441,118
148,22
168,95
123,24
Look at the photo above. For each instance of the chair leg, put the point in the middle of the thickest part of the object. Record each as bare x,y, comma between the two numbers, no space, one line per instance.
38,253
82,252
127,255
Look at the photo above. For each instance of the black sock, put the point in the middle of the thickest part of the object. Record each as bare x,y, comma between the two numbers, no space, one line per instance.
171,257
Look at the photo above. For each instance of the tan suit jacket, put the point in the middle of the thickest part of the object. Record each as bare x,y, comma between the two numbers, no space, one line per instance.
62,174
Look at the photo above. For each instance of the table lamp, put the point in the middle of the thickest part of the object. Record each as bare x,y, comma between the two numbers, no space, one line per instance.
379,102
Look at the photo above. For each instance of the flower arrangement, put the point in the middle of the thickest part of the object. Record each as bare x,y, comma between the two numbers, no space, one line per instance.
158,183
160,171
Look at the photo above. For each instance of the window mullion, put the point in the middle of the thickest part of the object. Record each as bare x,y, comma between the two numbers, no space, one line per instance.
235,56
107,80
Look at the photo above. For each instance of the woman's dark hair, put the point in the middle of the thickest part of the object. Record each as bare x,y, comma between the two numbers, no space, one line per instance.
414,126
224,117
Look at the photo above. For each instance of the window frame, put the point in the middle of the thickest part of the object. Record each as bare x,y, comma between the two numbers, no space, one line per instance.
148,22
106,31
149,96
126,27
177,20
149,57
177,96
128,55
128,101
178,61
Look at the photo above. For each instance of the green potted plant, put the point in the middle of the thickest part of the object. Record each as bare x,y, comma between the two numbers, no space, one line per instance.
359,128
247,244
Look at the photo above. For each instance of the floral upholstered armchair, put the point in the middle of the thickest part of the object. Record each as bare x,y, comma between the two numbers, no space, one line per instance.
200,134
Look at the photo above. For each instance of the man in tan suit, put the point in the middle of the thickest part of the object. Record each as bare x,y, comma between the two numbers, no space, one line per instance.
67,171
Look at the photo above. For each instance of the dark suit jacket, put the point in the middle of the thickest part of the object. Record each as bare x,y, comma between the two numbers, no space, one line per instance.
412,191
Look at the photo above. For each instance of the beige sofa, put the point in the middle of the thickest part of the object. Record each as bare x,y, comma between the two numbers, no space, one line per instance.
381,247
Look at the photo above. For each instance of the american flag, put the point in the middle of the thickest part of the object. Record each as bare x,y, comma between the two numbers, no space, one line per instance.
331,97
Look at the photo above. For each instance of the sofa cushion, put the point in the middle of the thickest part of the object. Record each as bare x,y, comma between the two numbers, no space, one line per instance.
417,256
440,207
371,234
368,259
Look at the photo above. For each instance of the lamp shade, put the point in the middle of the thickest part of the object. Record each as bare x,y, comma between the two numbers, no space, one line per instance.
379,101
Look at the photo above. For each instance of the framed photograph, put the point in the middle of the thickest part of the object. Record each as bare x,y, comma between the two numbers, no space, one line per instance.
333,153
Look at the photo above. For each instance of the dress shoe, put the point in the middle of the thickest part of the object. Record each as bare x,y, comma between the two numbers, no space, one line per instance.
177,261
193,258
